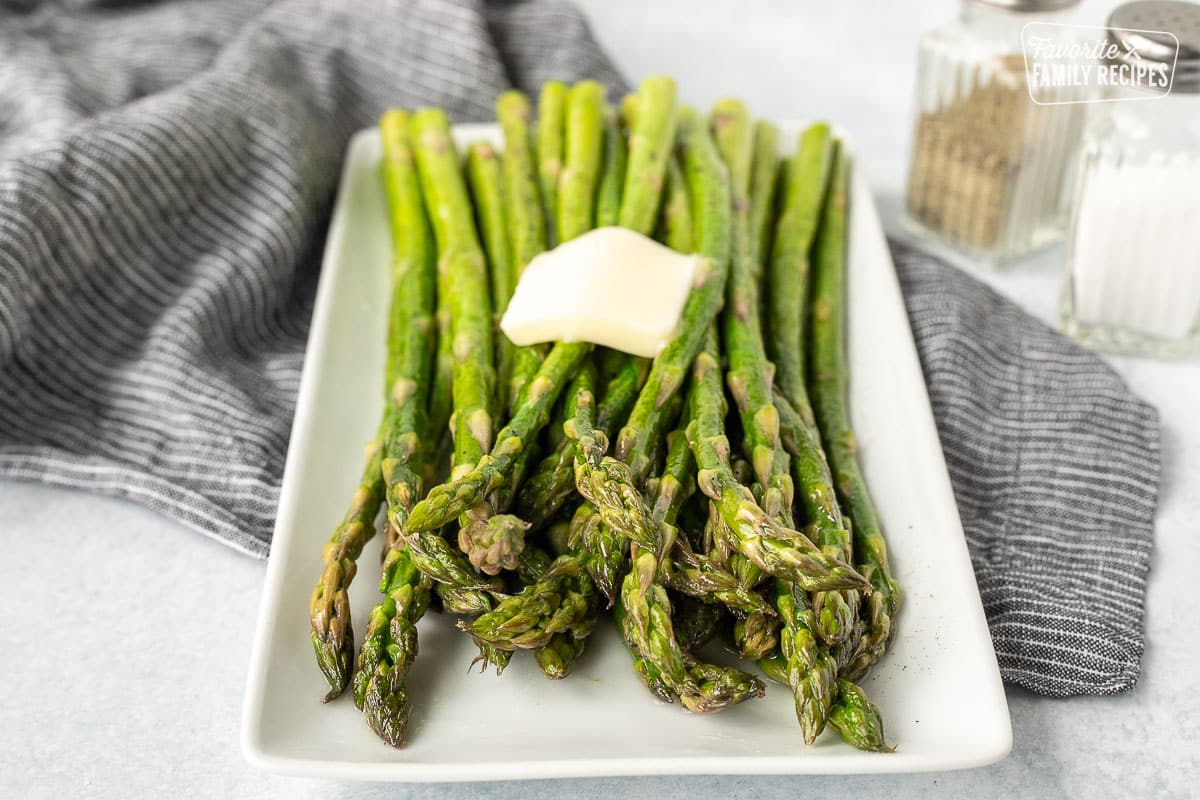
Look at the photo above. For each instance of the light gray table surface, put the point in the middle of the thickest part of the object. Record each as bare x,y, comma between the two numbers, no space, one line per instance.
126,637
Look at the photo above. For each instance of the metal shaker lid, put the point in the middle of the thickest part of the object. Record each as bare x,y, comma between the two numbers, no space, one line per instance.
1145,42
1029,6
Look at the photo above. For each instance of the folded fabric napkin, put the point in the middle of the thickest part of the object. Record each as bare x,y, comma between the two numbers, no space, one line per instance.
166,175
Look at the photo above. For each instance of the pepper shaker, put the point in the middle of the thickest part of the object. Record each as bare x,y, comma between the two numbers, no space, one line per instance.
989,169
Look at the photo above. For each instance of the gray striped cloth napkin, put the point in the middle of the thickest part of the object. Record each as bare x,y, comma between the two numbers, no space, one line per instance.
166,176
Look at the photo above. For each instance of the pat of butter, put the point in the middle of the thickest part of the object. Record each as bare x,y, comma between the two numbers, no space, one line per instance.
611,286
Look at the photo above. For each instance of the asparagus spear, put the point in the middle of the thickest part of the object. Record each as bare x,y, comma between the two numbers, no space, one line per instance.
602,551
774,549
558,656
705,688
604,481
719,687
406,374
553,480
612,173
710,192
787,279
675,224
857,719
462,260
828,382
561,601
489,472
749,375
646,623
552,106
390,644
652,132
762,190
329,605
390,647
755,632
697,576
527,222
487,191
584,152
461,257
470,485
809,669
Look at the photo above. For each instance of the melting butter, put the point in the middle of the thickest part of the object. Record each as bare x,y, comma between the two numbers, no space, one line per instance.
611,286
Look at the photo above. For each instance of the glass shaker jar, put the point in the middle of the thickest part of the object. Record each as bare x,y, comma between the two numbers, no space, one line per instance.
1133,251
989,169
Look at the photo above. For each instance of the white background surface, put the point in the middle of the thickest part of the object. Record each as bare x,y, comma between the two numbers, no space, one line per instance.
125,637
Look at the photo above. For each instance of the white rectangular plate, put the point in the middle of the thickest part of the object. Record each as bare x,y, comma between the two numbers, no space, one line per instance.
938,688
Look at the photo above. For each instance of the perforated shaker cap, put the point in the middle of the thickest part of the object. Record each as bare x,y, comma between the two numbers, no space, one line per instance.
1141,27
1028,6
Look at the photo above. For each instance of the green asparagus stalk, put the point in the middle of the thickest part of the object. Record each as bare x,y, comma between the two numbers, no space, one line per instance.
652,132
612,173
829,379
447,501
749,375
809,669
762,190
436,433
329,605
685,571
718,687
710,192
408,363
857,719
461,257
675,223
487,190
470,486
551,125
557,658
562,601
462,260
756,631
771,547
646,623
605,481
584,152
704,688
526,220
614,510
787,279
553,480
390,645
602,551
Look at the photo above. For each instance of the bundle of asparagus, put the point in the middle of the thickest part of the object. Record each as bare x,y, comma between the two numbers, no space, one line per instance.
529,530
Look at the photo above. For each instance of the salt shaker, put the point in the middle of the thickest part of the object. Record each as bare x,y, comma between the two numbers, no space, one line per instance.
989,169
1133,250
